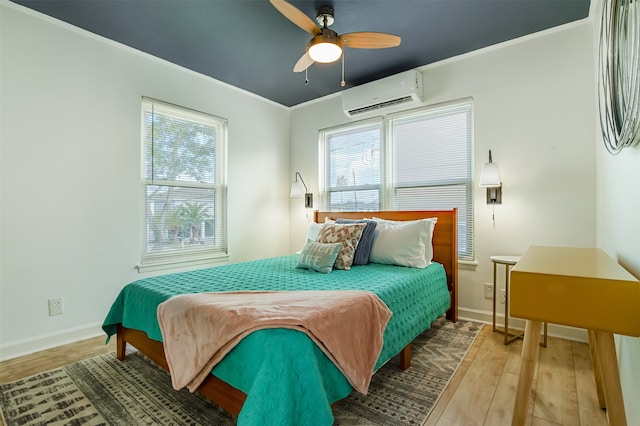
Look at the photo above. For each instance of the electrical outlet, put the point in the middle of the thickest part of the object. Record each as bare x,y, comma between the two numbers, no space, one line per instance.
56,307
488,291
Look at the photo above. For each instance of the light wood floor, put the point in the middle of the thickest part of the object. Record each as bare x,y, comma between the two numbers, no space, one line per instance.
481,392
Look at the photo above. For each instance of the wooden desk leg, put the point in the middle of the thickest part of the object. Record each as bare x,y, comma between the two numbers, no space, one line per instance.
528,362
597,369
610,376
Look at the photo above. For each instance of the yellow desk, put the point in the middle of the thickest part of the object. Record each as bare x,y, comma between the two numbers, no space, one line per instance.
579,287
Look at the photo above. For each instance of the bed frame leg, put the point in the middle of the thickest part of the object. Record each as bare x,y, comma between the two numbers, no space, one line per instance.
405,357
452,312
121,344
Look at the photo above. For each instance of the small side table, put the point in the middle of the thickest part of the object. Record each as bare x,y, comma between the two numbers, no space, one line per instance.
508,262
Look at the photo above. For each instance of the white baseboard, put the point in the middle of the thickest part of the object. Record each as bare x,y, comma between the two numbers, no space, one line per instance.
51,340
561,331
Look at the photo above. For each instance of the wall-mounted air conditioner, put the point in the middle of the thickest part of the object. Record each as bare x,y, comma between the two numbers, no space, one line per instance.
390,94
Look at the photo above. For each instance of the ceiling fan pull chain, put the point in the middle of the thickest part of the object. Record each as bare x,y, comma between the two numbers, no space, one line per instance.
342,83
306,69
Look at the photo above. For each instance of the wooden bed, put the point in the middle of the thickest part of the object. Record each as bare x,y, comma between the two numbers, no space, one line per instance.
231,399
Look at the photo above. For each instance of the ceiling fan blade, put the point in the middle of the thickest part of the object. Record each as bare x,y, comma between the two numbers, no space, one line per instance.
369,40
303,63
296,16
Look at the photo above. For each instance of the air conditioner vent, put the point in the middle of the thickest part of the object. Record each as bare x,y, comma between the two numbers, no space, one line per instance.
390,94
381,105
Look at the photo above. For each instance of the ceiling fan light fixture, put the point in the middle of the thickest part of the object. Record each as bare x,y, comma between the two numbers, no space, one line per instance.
325,48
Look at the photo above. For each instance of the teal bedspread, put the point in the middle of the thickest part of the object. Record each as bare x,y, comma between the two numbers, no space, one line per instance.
287,378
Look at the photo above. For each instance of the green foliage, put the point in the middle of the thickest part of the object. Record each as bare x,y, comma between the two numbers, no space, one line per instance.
192,215
179,149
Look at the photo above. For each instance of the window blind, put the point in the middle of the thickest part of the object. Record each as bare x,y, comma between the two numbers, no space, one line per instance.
184,180
431,164
353,167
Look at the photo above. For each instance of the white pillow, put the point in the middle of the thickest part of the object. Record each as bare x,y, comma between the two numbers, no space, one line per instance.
312,233
404,243
314,230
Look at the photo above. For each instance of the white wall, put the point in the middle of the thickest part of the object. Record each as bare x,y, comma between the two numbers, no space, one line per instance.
70,164
533,107
618,195
618,225
618,232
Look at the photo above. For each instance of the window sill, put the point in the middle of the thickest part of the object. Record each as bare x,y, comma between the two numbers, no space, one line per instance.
153,265
471,265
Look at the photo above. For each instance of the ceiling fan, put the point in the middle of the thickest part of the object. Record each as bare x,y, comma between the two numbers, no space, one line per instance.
326,45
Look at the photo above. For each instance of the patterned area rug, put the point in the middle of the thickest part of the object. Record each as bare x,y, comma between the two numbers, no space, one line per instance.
105,391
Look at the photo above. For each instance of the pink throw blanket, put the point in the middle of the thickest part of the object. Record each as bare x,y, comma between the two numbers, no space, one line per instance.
200,329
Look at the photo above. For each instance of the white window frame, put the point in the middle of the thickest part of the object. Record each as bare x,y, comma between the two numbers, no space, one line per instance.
387,190
188,256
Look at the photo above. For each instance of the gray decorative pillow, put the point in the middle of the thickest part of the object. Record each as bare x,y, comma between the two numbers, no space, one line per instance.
318,257
363,251
346,234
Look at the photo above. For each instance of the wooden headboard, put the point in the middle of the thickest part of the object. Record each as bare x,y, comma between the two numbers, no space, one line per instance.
445,240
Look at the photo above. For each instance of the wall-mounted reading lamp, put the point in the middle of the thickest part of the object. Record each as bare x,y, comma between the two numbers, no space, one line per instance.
490,179
298,191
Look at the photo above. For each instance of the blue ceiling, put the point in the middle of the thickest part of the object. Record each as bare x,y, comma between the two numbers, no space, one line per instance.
250,45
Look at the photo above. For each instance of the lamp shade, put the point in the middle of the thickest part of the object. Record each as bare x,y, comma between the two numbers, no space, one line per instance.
325,52
490,176
296,189
325,47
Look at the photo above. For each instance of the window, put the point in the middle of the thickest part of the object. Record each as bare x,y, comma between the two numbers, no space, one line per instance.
353,172
411,161
185,191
